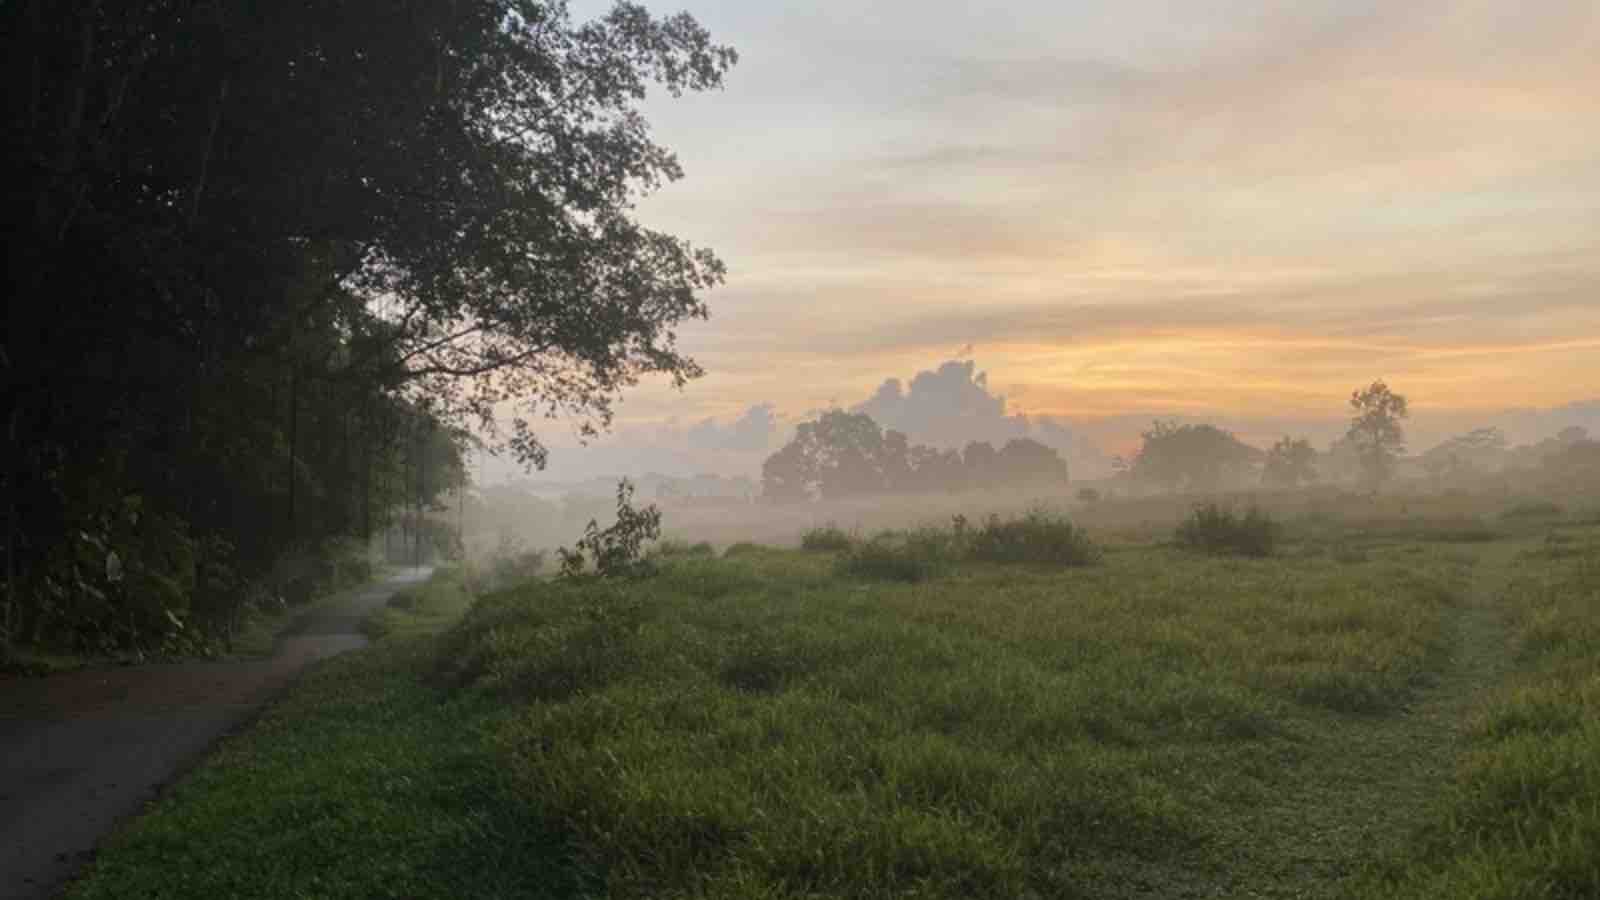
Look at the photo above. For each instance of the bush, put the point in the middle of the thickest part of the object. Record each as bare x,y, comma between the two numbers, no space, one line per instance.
913,557
743,548
617,549
1037,537
829,538
1088,495
1217,529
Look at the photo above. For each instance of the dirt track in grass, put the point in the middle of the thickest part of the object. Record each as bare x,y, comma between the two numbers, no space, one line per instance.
80,751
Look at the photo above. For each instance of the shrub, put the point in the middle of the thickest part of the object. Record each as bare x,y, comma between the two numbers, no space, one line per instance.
1037,537
1088,495
618,548
829,538
893,557
743,548
1212,528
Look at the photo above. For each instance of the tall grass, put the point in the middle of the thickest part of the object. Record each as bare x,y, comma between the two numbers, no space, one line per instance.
767,726
900,556
1213,528
1035,537
1522,818
826,539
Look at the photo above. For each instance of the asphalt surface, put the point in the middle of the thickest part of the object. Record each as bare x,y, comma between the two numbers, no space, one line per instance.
81,751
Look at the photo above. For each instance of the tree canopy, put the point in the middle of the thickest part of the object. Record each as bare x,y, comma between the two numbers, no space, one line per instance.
1375,432
843,454
257,251
1290,463
1191,457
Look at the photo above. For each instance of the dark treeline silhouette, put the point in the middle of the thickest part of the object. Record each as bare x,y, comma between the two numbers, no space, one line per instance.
267,263
843,454
1201,458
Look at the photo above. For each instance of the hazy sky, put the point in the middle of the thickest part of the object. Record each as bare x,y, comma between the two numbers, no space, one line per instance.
1231,209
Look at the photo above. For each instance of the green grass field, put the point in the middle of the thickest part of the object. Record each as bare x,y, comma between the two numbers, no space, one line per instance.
1368,712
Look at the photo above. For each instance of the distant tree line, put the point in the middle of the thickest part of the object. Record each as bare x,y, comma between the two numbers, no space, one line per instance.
842,454
268,261
1200,457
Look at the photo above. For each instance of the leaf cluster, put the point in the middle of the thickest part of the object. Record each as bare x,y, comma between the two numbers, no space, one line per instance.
618,549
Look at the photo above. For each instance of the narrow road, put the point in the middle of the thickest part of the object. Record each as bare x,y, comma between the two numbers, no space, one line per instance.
83,750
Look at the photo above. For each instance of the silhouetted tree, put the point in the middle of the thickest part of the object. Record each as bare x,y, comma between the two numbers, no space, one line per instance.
1479,450
845,454
981,462
1026,461
788,475
1290,463
1375,432
1192,457
250,250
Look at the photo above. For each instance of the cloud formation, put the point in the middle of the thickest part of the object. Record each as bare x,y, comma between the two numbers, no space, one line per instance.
1228,209
952,405
751,432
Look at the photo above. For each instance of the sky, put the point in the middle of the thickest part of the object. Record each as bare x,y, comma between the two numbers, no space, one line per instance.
1222,210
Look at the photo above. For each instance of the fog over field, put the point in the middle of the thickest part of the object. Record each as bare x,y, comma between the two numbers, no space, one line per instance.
793,449
945,405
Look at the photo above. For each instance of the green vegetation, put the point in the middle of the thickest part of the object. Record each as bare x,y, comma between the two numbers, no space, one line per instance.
899,556
507,565
1036,537
1535,509
773,724
1213,528
672,547
428,608
827,539
1520,818
618,549
233,341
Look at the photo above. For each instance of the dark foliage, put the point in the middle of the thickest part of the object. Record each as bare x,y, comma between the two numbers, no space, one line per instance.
266,261
1212,528
618,549
912,557
829,538
844,454
1037,537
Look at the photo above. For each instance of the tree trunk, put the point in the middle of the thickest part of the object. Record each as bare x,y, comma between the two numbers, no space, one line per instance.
294,429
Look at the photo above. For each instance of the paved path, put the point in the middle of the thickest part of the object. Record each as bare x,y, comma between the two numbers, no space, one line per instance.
83,750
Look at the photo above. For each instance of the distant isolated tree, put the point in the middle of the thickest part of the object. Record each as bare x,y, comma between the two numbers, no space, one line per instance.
1375,432
1290,463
